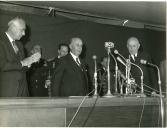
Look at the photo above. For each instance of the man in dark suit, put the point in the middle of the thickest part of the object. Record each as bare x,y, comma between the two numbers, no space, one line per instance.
12,62
135,57
70,77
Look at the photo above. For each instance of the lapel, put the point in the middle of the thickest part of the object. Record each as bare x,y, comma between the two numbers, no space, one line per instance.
77,68
138,58
20,53
10,50
131,59
74,65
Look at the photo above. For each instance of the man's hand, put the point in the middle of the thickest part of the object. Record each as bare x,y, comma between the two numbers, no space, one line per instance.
30,60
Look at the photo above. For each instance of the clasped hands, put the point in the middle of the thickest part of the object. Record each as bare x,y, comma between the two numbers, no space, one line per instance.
31,59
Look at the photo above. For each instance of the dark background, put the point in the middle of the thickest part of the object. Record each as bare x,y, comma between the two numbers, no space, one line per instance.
49,31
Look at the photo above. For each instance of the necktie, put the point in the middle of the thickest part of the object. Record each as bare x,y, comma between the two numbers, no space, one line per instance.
77,60
79,64
133,57
15,46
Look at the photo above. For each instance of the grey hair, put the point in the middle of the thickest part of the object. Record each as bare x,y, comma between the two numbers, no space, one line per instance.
73,39
133,38
15,21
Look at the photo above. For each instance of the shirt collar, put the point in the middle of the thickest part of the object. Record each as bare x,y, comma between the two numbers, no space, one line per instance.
9,37
73,56
135,55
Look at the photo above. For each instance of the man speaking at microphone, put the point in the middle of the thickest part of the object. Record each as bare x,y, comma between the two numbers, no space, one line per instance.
135,56
70,77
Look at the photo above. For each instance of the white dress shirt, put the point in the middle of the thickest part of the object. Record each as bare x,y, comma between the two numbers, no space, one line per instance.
11,41
75,57
133,56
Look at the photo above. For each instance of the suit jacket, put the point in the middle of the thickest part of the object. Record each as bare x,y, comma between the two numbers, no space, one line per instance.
148,72
12,75
69,79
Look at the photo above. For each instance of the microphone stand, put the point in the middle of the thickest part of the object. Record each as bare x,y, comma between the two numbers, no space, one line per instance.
116,74
128,75
108,74
48,84
161,100
142,76
95,77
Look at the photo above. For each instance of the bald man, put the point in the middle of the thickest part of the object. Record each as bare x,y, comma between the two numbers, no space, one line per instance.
70,77
12,60
135,56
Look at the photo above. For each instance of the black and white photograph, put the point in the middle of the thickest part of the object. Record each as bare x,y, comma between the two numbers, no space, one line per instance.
83,63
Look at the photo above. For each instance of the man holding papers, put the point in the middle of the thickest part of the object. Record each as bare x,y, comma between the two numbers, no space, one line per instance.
13,64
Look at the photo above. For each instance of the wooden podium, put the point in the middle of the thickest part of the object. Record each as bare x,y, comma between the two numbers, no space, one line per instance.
58,112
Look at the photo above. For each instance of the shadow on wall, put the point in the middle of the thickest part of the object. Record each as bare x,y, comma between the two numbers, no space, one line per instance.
83,54
25,39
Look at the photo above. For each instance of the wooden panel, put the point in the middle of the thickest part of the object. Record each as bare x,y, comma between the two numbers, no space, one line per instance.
32,116
52,112
115,116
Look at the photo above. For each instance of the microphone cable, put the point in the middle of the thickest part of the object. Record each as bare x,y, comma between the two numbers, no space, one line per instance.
145,91
93,106
152,88
79,108
141,116
158,111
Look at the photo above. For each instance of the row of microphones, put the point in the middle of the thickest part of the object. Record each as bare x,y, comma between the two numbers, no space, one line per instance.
110,45
142,61
126,62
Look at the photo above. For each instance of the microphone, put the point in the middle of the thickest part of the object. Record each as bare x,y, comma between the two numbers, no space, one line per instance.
121,61
117,53
94,57
109,45
147,63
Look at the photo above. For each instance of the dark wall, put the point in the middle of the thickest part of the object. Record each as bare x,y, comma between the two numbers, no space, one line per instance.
50,31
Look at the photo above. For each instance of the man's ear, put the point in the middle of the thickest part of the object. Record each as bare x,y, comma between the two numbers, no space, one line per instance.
127,45
58,52
70,46
138,46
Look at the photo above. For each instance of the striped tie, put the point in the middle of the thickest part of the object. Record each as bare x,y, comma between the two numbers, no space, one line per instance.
77,60
15,47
